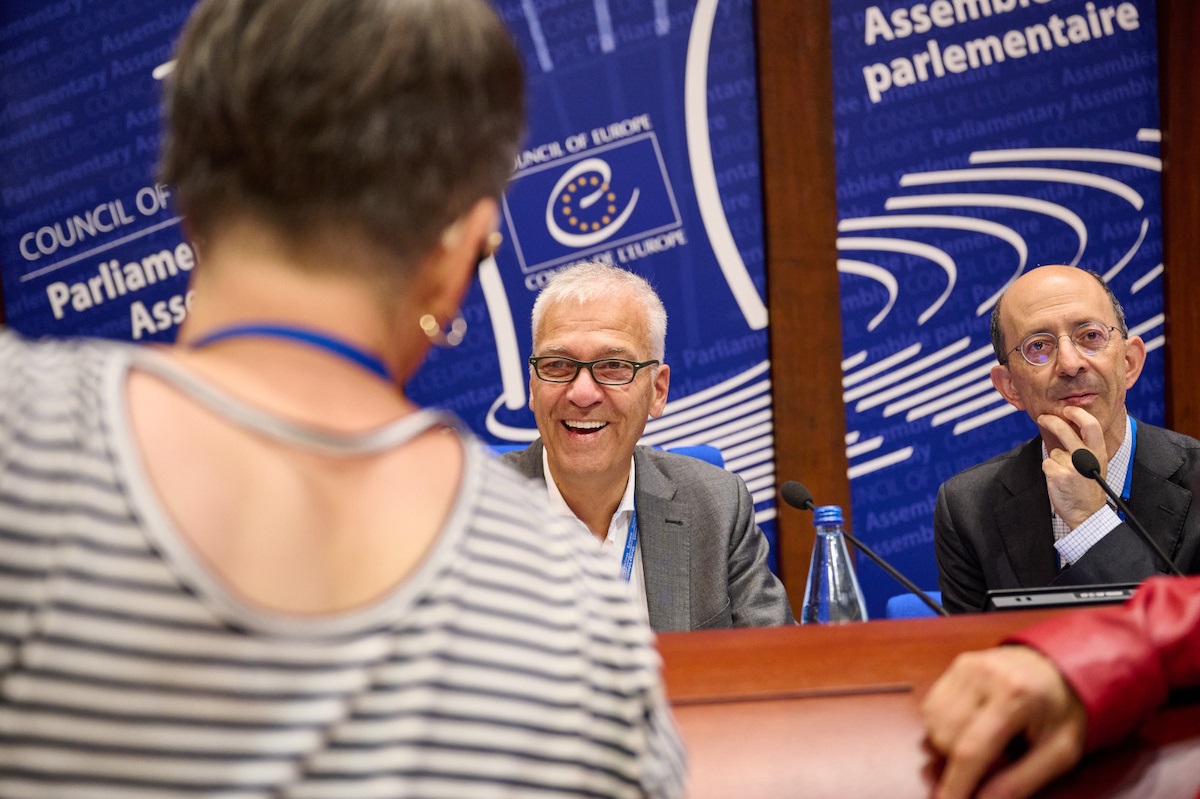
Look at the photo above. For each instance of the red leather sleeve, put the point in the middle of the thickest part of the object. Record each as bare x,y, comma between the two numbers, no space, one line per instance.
1123,661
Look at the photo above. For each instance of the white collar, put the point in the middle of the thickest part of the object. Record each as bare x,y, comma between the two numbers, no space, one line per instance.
624,508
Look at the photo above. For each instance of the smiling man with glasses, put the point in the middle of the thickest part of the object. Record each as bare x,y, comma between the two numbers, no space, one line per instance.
680,531
1028,518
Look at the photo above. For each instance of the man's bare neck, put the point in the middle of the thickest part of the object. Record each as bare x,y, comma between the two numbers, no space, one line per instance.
593,500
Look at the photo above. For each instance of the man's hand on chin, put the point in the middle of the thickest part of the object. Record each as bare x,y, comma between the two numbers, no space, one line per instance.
1073,496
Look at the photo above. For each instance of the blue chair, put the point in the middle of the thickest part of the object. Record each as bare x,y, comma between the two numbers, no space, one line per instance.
907,606
704,452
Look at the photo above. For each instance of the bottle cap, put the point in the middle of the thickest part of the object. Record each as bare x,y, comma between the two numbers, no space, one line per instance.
827,515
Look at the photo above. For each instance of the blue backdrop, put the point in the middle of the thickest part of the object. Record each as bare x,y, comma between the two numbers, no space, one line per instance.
643,114
976,140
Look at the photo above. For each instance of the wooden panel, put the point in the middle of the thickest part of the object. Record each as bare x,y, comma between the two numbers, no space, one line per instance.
796,86
880,655
873,746
856,735
1179,94
834,711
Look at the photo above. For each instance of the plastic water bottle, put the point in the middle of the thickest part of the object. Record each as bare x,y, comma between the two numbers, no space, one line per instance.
832,595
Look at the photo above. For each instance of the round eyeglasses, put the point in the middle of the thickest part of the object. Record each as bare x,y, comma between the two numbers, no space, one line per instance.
606,371
1090,338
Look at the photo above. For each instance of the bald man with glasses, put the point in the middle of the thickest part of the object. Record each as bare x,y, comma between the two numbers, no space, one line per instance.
681,532
1027,518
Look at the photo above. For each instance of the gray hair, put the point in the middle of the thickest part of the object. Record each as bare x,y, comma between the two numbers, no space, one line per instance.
389,120
998,335
592,280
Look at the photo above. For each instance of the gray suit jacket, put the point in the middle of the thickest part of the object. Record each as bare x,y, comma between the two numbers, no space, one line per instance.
992,523
703,557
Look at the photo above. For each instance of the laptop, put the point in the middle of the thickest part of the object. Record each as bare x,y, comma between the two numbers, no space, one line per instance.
1075,596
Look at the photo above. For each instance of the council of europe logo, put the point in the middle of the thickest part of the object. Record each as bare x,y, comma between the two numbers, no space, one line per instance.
580,206
577,191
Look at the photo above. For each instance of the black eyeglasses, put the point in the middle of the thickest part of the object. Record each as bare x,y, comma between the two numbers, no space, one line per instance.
606,371
1090,338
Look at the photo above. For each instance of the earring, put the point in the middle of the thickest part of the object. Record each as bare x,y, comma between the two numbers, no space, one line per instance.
444,338
491,243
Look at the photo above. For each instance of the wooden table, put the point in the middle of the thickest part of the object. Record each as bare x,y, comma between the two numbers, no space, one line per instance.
833,712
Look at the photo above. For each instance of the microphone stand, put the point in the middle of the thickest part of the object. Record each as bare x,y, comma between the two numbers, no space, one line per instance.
800,498
1084,461
897,576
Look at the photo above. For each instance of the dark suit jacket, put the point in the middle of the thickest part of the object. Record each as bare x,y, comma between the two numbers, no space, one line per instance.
992,523
703,557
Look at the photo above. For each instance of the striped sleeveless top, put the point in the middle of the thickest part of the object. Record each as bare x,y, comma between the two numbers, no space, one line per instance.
509,663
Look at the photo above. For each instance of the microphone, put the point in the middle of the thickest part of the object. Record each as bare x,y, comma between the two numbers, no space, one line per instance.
1084,461
799,497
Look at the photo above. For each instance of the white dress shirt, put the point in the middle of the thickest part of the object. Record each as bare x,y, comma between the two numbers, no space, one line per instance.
613,545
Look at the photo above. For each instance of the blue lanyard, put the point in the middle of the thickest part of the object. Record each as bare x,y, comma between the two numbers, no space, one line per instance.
630,547
1127,489
312,338
1125,492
